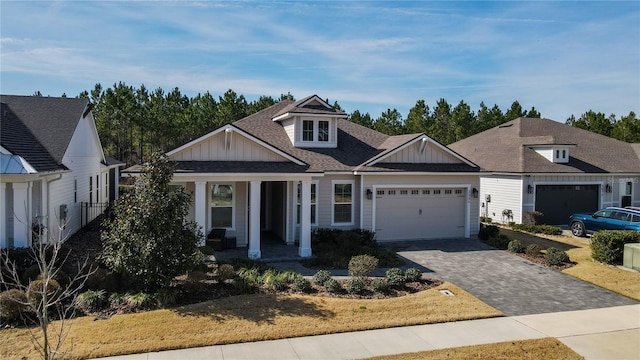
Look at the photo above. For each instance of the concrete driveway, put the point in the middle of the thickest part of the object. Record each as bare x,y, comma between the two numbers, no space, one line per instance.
505,281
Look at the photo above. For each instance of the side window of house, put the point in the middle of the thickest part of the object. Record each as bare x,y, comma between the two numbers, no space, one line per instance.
75,190
342,203
222,205
323,130
307,130
313,203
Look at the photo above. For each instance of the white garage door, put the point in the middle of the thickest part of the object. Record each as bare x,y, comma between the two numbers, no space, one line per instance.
410,214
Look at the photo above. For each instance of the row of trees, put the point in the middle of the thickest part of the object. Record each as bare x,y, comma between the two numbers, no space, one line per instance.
135,122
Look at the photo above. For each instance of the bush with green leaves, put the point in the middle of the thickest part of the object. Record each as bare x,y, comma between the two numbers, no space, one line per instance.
515,246
206,250
301,284
104,279
488,231
138,301
274,280
538,229
12,304
147,238
395,278
225,272
486,219
321,277
533,249
499,241
165,297
355,285
362,265
332,286
413,275
91,300
290,276
555,257
379,285
607,246
335,248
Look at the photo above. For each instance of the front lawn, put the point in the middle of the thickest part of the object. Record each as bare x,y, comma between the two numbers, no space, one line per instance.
609,277
251,318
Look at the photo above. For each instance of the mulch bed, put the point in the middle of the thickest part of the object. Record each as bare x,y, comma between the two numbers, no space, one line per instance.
539,259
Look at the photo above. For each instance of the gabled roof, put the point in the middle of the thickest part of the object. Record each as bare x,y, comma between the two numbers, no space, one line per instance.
508,148
39,129
310,105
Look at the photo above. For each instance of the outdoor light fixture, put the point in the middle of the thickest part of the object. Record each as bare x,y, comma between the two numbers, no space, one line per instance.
607,188
530,189
369,194
474,192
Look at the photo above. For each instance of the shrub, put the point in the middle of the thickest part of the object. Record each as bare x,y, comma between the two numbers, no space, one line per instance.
379,285
538,229
243,284
102,279
225,272
273,280
395,278
196,276
36,290
206,250
290,276
555,257
355,285
532,217
138,301
607,246
533,250
250,278
301,284
413,275
499,241
515,246
12,304
165,297
332,286
116,299
321,277
30,274
488,231
92,300
362,265
244,263
486,219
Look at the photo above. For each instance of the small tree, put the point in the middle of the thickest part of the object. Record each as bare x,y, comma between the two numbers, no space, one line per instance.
46,298
148,240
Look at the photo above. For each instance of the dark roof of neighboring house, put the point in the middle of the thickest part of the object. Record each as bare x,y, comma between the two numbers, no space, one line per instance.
39,129
507,148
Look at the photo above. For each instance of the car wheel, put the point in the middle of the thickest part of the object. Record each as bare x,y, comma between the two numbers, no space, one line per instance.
577,229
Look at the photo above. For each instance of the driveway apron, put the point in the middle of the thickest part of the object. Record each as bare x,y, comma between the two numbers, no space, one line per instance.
505,281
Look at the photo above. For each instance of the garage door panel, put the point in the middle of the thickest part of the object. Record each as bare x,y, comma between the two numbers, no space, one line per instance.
420,216
557,202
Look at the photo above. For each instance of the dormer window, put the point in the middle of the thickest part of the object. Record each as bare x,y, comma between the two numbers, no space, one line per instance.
315,131
323,130
556,153
307,130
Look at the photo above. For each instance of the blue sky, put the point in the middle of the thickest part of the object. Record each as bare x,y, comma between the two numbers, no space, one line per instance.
561,57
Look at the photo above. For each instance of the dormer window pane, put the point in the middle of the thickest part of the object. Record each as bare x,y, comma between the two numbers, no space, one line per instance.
323,130
564,154
557,154
307,130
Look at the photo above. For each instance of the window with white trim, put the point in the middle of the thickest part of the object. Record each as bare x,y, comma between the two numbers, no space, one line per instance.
75,190
314,195
222,205
342,202
307,130
323,130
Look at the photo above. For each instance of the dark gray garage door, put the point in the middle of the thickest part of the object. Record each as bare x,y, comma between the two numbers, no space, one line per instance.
558,202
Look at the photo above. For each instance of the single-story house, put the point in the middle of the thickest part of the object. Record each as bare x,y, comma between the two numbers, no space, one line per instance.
53,172
301,165
556,169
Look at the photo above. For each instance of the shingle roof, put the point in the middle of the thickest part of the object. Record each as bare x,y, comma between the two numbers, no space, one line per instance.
294,107
506,148
40,128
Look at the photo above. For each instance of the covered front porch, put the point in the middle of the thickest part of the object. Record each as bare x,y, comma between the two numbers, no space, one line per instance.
256,210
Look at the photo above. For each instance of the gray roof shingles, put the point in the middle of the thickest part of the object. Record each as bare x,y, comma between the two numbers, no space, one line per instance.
506,148
40,128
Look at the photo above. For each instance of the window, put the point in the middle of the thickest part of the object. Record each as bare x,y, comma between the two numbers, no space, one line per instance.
436,192
426,192
222,206
403,192
380,192
564,154
307,130
314,213
75,190
392,192
458,191
448,191
343,202
414,192
323,130
557,154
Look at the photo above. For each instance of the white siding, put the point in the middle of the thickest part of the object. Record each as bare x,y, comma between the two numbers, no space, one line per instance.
213,149
506,194
290,129
431,155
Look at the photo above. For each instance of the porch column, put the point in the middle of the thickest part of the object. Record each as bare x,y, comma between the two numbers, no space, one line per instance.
3,215
254,220
292,213
200,203
21,225
305,219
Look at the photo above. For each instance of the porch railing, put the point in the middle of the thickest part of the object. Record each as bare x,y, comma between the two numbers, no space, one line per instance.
90,211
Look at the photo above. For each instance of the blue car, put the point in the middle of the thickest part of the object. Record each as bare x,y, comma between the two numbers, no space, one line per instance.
611,218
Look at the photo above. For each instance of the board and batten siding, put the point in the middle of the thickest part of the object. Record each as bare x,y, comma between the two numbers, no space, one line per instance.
506,194
411,154
324,202
421,180
213,149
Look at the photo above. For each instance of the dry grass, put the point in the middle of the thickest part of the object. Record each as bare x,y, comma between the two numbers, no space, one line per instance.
547,348
610,277
252,318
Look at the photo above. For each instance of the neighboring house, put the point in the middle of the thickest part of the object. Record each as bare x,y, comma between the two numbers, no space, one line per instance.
297,166
556,169
51,163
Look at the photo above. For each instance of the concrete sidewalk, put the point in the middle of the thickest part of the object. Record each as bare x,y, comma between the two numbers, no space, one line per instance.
606,333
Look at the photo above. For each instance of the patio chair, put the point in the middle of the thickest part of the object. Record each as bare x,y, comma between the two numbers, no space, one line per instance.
217,239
